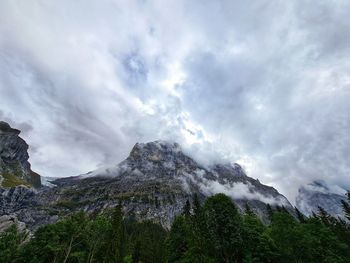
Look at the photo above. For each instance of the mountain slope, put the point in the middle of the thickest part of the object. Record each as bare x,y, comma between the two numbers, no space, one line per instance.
153,182
319,194
14,166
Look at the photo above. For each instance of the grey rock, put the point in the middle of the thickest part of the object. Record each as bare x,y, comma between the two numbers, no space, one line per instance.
153,182
8,220
319,194
14,166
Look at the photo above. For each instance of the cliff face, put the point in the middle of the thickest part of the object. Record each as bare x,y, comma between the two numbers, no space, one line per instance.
319,194
14,166
153,183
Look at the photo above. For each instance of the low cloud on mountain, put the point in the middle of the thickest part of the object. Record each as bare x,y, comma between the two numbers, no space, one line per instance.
265,84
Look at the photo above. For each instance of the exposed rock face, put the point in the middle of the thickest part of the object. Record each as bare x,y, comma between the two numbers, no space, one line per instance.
318,194
153,183
14,166
26,205
8,220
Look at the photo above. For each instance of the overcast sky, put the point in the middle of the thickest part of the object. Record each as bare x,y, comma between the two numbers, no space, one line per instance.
262,83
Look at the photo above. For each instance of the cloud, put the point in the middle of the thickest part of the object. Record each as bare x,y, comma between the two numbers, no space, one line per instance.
263,83
241,191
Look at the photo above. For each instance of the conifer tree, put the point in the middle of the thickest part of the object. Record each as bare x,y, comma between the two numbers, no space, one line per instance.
224,229
118,234
248,210
187,209
178,240
300,215
269,211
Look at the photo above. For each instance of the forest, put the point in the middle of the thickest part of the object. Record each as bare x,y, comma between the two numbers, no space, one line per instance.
213,231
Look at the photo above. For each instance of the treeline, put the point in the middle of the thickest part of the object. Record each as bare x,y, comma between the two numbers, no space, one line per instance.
212,232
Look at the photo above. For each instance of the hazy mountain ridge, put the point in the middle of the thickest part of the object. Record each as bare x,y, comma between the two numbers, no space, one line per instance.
319,194
153,182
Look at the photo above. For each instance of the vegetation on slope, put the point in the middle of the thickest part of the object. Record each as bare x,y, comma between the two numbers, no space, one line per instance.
212,232
12,180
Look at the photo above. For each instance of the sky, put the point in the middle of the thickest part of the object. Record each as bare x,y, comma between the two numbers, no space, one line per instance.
263,83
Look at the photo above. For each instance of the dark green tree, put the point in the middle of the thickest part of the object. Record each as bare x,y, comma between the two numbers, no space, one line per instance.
119,239
258,246
150,239
64,241
178,241
187,209
224,229
283,231
300,215
98,238
318,243
269,211
10,240
248,210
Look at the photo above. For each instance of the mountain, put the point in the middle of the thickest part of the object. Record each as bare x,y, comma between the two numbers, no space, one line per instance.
153,182
14,166
319,194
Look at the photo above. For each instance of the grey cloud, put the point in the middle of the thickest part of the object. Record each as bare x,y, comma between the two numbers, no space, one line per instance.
263,83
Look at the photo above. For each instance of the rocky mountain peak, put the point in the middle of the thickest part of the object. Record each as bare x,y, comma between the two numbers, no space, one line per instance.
161,170
228,170
153,182
155,151
14,166
5,128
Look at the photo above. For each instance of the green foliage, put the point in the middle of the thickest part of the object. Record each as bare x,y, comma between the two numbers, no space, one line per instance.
10,240
12,175
258,245
300,216
210,233
147,241
224,229
11,180
178,242
311,241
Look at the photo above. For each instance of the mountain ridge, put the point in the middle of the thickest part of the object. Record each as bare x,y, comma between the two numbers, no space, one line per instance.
318,194
152,183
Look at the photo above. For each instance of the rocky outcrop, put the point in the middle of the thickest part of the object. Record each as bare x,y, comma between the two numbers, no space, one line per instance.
26,205
14,166
319,194
8,220
154,183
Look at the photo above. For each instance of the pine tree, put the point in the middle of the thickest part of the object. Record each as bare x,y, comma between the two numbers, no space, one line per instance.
178,240
224,229
300,215
283,230
187,209
324,216
248,210
269,211
197,244
118,234
196,204
136,252
258,246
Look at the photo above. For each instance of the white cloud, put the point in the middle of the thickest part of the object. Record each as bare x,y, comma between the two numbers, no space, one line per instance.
263,82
